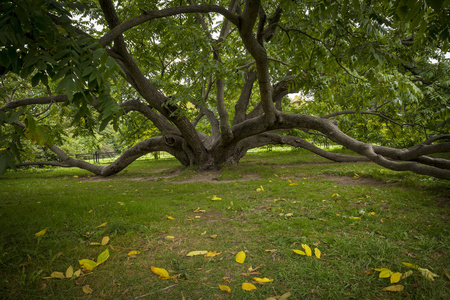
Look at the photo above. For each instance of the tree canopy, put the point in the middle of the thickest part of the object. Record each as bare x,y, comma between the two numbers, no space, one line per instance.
208,80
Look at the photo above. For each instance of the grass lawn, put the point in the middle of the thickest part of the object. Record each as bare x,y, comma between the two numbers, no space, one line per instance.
359,215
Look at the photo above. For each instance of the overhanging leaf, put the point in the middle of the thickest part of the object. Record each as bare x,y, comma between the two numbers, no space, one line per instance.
162,273
240,257
248,286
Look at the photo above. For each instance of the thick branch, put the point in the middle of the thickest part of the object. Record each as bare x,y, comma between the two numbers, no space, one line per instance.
33,101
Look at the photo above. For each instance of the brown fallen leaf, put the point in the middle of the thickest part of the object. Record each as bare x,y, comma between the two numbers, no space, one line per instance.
446,274
250,274
271,250
87,289
394,288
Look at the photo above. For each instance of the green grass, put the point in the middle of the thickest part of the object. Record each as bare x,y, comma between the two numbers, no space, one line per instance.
410,224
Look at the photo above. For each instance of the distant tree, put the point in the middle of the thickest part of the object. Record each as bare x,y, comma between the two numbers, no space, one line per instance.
208,80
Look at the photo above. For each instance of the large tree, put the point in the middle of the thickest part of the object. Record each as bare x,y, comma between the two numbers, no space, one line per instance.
212,78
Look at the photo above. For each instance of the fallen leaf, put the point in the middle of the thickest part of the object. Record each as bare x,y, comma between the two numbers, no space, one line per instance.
299,252
105,240
212,254
87,289
407,274
102,225
69,272
131,253
40,233
289,215
77,273
307,250
88,264
162,273
94,244
194,253
412,266
240,257
372,213
396,277
170,218
224,288
385,274
427,274
262,280
248,286
58,275
121,203
90,211
213,236
215,198
170,237
102,257
394,288
285,296
271,250
317,253
356,218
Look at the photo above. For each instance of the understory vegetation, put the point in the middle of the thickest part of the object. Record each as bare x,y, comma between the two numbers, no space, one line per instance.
360,216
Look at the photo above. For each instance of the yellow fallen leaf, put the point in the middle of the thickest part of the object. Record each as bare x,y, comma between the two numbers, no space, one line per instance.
59,275
299,252
386,274
170,237
90,211
162,273
292,183
77,273
121,203
213,236
94,244
285,296
394,288
407,274
102,225
396,277
69,272
289,215
194,253
40,233
317,253
307,250
87,289
224,288
170,218
262,280
215,198
103,257
248,286
372,213
88,264
131,253
240,257
356,218
427,274
212,254
105,240
412,266
335,195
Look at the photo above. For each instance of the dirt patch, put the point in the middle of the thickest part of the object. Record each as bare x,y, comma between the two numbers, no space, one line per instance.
347,180
214,177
